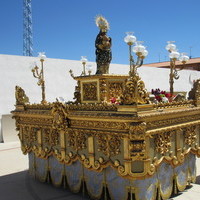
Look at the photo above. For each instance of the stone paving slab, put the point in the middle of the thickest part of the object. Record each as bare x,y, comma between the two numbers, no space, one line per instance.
191,193
20,186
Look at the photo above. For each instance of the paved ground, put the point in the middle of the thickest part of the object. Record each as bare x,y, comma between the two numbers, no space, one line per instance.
16,184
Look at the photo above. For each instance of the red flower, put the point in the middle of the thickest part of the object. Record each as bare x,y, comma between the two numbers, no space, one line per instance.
113,100
158,97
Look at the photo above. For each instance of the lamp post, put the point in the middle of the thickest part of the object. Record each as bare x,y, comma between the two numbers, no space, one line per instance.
138,49
84,61
40,75
174,55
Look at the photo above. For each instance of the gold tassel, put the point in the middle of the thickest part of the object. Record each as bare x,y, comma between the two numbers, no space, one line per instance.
83,191
105,192
83,181
48,177
64,182
131,193
175,187
159,195
48,172
64,177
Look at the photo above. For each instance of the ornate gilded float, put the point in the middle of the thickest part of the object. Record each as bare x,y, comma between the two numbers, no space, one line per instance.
112,142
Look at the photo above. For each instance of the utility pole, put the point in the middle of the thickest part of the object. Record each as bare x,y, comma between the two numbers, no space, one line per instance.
27,29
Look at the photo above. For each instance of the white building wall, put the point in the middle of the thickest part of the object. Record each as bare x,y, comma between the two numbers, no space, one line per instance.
16,70
159,78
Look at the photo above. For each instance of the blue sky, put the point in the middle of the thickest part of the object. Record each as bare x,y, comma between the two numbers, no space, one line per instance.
66,28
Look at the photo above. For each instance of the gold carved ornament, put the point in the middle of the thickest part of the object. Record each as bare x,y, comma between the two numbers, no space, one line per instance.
29,134
190,135
99,124
109,145
194,94
90,91
137,130
60,120
197,93
92,107
26,134
103,90
77,139
135,92
172,121
137,149
115,89
51,137
20,96
137,144
77,93
163,142
17,122
34,121
174,104
33,134
28,139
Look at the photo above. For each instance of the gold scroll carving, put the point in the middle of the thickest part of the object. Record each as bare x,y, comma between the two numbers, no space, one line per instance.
103,90
135,92
100,124
20,96
163,142
77,139
108,144
59,112
77,93
195,92
115,89
137,130
51,137
137,148
190,135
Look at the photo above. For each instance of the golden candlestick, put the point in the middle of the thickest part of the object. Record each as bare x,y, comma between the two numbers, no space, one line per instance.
39,74
138,49
84,61
174,56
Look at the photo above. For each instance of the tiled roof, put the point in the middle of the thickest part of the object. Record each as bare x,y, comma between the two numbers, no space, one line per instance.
167,64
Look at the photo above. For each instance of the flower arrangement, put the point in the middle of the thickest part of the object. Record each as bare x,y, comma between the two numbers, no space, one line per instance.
162,96
115,100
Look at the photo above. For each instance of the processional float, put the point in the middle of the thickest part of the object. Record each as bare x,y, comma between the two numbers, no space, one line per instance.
112,141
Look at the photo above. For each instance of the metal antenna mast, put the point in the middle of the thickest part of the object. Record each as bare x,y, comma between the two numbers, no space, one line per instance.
27,29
